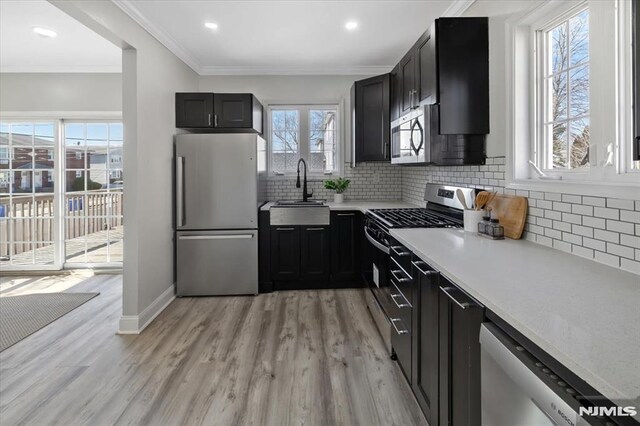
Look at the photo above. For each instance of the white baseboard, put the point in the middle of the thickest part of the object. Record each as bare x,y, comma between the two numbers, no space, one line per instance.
134,324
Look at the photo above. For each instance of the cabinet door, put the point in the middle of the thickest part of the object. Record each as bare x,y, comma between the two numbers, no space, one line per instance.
407,77
194,110
315,253
285,252
425,364
396,93
459,357
345,246
463,75
233,110
426,68
372,119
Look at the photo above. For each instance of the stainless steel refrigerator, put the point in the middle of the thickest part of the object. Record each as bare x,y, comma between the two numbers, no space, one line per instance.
219,188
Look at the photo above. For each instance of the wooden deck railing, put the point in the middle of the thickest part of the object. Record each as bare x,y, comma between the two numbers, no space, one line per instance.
25,219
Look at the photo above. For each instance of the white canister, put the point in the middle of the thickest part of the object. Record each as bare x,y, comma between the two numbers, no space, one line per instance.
338,198
471,220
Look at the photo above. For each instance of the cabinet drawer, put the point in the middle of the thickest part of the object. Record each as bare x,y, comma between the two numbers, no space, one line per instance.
401,255
403,280
401,307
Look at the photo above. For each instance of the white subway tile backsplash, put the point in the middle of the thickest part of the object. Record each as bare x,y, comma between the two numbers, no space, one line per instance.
612,237
606,230
617,226
606,213
594,201
620,204
630,216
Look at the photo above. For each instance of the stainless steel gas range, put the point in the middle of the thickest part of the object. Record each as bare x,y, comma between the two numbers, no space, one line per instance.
443,210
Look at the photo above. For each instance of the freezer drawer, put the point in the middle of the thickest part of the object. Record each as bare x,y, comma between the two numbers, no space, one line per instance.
215,263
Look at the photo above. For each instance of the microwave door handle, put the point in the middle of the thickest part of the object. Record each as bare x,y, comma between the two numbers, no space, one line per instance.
421,131
411,144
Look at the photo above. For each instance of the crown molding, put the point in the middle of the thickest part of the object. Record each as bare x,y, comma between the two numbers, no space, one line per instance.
283,70
457,8
66,69
127,6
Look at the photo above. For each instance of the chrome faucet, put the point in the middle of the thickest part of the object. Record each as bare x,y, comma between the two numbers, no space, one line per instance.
305,195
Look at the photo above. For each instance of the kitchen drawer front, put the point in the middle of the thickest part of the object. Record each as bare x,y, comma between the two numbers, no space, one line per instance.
401,255
403,280
400,306
401,342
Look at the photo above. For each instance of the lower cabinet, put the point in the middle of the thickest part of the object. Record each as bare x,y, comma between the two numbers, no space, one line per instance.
315,253
285,252
311,256
460,318
425,339
346,239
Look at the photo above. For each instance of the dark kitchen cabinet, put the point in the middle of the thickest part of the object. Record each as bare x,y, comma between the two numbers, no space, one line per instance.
463,75
370,101
426,74
346,236
285,253
315,253
237,110
425,339
460,318
194,110
219,112
396,93
408,82
636,79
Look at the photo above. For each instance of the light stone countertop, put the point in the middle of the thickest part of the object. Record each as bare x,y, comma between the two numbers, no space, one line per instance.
360,205
584,314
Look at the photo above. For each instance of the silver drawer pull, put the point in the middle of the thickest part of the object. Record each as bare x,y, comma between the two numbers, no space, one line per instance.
393,323
399,305
395,275
463,305
216,237
315,229
400,253
346,214
284,229
417,264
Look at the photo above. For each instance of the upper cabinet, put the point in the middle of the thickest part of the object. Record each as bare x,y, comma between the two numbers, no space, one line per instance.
462,48
219,112
449,66
370,103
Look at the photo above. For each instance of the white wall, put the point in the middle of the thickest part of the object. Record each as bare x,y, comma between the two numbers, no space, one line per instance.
497,11
60,92
151,76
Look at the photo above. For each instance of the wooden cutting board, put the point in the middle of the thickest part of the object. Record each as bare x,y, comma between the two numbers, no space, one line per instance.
512,212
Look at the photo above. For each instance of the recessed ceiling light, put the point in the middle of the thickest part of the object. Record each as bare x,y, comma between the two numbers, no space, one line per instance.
351,25
211,25
44,32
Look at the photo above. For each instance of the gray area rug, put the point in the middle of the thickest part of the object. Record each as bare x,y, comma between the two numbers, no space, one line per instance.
21,316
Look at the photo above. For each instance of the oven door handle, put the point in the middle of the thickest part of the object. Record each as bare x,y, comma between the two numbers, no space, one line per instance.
376,244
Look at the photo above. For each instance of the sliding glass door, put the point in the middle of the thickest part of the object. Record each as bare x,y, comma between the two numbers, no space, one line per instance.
93,192
61,193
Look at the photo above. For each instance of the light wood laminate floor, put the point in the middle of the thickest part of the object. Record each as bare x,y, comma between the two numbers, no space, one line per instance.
286,358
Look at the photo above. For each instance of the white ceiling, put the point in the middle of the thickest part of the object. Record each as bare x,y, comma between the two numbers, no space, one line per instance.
288,37
75,49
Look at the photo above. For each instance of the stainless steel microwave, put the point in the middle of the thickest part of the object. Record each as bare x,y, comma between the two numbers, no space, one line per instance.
409,143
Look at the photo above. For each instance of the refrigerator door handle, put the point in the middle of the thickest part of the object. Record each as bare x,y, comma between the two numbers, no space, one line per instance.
180,191
217,237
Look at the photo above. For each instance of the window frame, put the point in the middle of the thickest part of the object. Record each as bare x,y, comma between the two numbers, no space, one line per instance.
613,129
304,146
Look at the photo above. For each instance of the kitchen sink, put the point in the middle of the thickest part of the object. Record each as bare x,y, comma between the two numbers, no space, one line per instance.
297,203
299,213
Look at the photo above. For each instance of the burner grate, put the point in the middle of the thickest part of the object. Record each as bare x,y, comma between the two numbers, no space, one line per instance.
416,218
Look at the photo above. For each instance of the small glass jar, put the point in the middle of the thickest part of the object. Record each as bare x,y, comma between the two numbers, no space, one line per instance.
495,230
484,223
